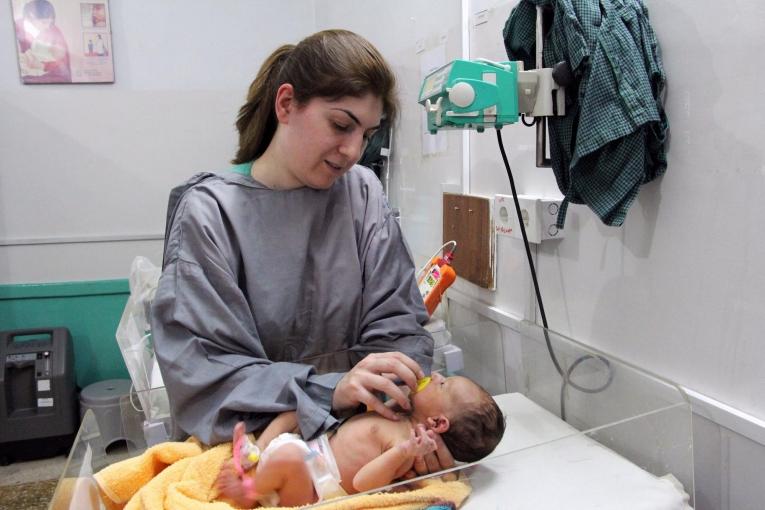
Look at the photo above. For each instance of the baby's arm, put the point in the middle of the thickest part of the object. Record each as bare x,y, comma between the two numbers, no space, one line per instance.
285,422
394,462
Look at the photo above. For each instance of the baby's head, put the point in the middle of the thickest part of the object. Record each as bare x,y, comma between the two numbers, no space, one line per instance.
464,414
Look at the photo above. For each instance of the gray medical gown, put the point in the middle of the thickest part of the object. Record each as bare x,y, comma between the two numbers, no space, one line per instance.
256,279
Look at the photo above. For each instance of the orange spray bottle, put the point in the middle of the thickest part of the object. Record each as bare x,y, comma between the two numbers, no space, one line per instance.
438,276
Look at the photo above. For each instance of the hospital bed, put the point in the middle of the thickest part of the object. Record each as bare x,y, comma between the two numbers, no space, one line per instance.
627,445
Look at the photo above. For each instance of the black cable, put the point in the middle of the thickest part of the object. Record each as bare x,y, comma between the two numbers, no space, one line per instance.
528,124
565,375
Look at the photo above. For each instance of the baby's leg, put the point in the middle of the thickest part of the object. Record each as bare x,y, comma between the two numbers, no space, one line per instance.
286,473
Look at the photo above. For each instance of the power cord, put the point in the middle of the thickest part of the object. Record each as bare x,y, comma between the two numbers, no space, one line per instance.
565,375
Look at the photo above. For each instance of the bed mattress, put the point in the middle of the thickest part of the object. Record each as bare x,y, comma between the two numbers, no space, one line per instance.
549,468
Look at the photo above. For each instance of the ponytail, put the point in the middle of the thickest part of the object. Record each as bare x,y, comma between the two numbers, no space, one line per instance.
256,121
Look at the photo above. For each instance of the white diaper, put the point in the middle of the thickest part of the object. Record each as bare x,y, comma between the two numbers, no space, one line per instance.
281,440
319,459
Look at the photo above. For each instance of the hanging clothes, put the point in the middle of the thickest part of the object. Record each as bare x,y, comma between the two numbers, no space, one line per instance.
613,136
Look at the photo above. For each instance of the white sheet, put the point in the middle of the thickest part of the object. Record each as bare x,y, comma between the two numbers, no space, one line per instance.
572,472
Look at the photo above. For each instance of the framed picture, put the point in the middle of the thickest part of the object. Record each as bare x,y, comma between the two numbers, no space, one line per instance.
63,41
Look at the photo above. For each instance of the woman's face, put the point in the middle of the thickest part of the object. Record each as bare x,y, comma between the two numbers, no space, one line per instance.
322,139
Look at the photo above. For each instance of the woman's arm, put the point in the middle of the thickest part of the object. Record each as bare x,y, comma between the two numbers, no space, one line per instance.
392,311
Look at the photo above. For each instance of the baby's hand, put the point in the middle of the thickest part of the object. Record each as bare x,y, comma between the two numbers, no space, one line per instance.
420,442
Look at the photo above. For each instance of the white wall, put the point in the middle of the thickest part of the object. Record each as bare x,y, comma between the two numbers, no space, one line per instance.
84,163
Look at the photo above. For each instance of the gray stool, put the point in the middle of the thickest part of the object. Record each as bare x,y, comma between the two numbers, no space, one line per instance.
103,398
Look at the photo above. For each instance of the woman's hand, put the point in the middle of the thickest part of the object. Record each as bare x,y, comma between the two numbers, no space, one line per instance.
376,373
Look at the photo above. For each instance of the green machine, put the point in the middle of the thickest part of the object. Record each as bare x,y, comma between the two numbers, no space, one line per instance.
481,94
467,94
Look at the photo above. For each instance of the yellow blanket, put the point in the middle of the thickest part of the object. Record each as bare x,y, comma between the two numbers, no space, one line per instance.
181,476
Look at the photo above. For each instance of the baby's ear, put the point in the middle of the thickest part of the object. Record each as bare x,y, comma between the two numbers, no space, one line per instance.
439,424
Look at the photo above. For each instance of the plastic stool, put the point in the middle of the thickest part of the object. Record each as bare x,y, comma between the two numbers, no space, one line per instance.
103,398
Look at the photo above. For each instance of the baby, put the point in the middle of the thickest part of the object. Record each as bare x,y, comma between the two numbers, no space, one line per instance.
367,451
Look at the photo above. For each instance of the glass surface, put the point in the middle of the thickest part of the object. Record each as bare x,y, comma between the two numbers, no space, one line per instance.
626,434
76,488
646,420
629,424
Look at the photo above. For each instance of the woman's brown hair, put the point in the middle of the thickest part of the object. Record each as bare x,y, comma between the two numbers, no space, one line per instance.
329,64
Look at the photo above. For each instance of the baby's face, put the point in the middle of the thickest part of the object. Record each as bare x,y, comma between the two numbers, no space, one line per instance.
444,395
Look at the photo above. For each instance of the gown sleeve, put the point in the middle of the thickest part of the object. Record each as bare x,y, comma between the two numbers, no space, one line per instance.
213,362
392,310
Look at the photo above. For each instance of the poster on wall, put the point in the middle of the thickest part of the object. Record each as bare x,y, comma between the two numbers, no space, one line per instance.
63,41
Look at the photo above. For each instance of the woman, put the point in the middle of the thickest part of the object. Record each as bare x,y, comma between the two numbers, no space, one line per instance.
286,283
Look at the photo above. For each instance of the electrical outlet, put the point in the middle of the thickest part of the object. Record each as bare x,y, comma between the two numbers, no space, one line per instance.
539,217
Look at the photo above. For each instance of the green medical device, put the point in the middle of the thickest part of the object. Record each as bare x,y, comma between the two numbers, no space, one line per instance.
481,94
467,94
